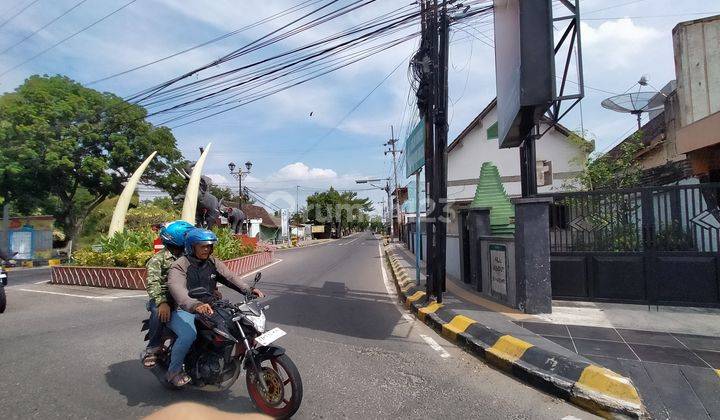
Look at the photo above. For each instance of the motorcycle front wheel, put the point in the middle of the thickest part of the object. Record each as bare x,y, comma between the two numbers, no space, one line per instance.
284,387
3,299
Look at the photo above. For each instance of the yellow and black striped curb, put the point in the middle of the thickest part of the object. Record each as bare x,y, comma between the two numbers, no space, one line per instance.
593,387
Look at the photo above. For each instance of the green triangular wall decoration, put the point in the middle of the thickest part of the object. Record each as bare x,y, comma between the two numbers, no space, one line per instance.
491,193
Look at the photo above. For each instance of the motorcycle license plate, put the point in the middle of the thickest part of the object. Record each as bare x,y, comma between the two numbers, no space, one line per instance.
270,336
3,279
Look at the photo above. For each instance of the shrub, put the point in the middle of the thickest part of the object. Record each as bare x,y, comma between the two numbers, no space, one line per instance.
132,248
229,246
129,248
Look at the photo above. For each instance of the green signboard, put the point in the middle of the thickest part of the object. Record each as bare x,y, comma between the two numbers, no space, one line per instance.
415,150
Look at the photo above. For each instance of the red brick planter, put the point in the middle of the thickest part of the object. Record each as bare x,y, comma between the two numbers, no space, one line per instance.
134,278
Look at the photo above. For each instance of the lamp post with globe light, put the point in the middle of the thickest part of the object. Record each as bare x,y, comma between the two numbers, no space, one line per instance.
239,175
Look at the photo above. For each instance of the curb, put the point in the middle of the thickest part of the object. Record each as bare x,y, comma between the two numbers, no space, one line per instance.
597,389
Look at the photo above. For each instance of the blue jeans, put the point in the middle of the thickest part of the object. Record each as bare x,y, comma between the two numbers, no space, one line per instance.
183,325
155,329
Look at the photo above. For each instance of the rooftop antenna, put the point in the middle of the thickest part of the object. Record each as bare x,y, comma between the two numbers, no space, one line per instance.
635,102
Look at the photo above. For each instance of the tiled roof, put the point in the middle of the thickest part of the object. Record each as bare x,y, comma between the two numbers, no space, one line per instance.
257,212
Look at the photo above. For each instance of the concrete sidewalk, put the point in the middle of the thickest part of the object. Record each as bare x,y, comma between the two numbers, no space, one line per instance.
492,332
671,354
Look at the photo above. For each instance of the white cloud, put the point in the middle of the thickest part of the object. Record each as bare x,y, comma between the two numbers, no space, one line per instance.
617,43
218,179
301,172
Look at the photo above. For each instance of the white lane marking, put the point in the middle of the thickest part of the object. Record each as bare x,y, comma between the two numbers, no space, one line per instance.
42,281
435,346
279,260
408,317
84,296
571,417
261,268
389,287
349,242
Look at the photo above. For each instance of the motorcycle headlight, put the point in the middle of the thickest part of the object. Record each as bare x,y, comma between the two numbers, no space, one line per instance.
258,322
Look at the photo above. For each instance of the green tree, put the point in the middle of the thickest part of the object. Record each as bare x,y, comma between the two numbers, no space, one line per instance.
65,148
616,170
342,210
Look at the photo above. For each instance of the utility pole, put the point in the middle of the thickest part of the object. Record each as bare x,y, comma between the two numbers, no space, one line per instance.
426,101
394,152
297,211
441,131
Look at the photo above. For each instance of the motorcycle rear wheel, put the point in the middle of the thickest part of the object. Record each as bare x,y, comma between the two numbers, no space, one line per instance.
281,376
3,299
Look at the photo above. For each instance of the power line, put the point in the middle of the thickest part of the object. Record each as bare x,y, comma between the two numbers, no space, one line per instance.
18,13
78,4
67,38
654,16
285,12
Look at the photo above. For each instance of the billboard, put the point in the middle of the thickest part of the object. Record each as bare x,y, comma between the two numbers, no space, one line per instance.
415,150
524,66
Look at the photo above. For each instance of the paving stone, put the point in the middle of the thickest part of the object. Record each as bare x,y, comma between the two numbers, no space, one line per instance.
563,341
699,342
711,357
706,384
604,348
545,329
667,355
649,337
676,393
595,333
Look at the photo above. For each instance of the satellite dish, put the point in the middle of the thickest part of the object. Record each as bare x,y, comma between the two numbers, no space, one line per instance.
636,102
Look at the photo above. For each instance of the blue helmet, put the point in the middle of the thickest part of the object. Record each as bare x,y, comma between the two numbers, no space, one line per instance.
198,236
173,233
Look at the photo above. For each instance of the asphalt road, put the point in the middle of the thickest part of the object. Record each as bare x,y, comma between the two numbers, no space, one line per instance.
72,352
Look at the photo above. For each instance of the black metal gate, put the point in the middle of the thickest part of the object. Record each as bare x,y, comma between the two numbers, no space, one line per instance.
654,245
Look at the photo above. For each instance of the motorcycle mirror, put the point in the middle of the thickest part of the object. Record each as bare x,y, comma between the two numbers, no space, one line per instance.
257,277
198,292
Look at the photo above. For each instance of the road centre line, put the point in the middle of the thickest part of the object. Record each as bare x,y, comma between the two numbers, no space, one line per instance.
435,346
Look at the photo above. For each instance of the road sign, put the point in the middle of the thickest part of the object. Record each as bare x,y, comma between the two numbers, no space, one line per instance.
415,150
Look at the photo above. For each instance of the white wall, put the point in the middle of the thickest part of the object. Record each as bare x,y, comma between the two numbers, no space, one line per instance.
465,160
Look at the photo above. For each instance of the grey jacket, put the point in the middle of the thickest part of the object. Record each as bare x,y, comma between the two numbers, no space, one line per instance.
177,282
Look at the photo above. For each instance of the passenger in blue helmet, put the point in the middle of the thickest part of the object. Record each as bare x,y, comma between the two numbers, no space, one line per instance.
172,236
197,268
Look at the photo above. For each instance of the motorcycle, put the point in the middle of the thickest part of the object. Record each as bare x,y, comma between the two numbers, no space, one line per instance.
234,339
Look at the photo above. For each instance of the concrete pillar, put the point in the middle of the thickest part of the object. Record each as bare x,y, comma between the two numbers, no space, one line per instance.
532,254
478,220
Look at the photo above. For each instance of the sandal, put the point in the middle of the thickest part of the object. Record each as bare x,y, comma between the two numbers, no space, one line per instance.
179,379
149,360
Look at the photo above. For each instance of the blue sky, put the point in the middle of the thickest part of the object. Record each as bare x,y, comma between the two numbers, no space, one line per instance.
622,40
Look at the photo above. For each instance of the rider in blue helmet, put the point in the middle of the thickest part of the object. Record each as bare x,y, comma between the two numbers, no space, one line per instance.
172,236
197,268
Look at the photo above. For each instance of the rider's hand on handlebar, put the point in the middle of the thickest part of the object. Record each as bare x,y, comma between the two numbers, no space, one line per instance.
204,309
258,293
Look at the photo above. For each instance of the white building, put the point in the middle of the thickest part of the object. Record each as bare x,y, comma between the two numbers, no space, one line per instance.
559,161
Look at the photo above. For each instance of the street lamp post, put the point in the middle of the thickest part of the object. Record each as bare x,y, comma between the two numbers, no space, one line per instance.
239,175
386,188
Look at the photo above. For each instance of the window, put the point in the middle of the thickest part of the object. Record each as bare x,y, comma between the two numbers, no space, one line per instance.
492,132
544,172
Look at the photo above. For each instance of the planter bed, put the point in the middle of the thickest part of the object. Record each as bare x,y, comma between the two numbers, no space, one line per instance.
134,278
